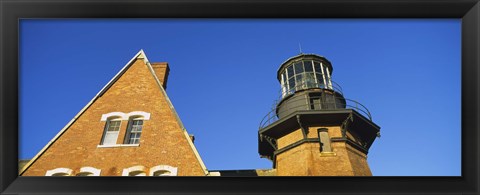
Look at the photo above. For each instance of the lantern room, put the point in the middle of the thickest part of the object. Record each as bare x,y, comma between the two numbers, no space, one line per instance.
304,71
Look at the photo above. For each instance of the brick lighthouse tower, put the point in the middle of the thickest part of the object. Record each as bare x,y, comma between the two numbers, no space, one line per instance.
313,130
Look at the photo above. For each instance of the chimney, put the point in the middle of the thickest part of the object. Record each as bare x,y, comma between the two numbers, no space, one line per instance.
161,70
192,137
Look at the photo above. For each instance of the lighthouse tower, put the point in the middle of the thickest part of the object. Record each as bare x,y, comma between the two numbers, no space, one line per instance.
313,130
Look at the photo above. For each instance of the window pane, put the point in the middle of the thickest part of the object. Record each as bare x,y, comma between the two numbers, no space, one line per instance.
138,122
325,142
135,131
308,66
113,125
309,80
290,71
298,67
110,138
324,69
291,83
327,76
320,80
300,82
316,65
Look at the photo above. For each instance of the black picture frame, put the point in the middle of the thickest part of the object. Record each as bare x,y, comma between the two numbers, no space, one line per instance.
13,10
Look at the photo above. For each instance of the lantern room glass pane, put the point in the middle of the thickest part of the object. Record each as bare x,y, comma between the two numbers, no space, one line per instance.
291,84
304,74
300,82
290,71
298,67
325,70
320,82
309,80
316,65
308,66
327,77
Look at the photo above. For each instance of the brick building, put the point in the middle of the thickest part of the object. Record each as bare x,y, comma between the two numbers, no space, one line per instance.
130,128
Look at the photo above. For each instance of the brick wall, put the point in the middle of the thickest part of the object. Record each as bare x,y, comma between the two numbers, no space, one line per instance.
307,160
162,142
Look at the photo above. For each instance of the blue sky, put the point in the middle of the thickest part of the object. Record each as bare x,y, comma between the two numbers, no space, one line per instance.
223,80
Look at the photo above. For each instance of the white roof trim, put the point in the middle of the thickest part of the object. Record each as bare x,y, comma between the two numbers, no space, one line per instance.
139,55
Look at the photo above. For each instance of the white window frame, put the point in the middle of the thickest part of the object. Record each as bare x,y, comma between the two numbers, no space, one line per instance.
172,170
113,116
125,116
323,75
139,168
315,72
107,126
130,127
59,170
329,80
92,170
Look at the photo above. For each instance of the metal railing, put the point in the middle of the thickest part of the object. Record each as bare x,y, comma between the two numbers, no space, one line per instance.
301,103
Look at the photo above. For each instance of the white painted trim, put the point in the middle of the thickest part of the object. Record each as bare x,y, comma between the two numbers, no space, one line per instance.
213,174
59,170
127,171
145,115
329,79
172,170
138,55
105,117
323,75
94,171
282,83
125,116
118,145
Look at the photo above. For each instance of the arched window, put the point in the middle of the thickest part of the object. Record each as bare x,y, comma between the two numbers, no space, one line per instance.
112,127
137,173
134,171
134,130
162,173
163,170
59,172
89,171
85,174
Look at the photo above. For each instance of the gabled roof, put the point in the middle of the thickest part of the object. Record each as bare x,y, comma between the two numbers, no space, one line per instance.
139,55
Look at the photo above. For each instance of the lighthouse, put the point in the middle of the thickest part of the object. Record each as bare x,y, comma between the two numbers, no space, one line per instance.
313,130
